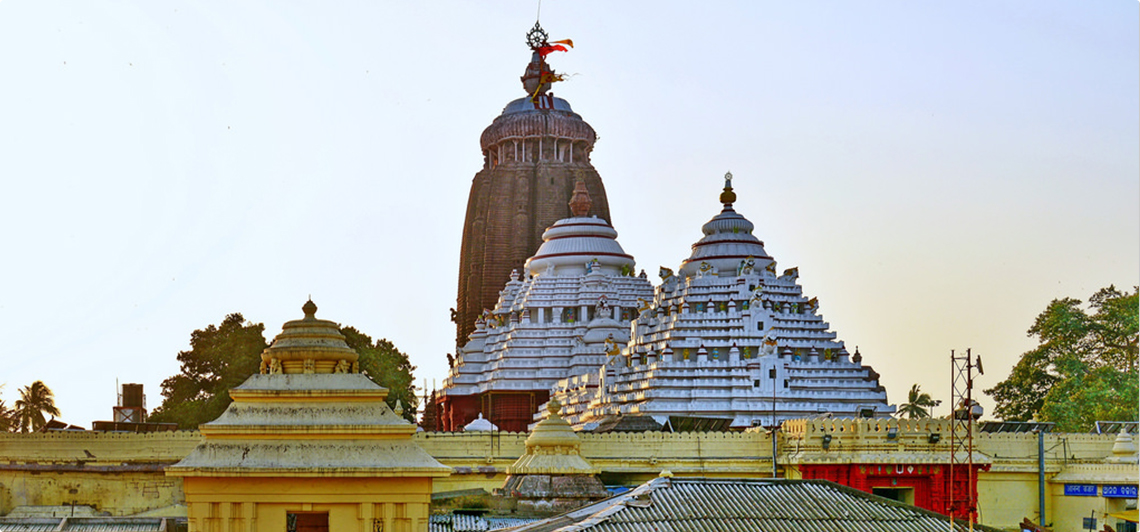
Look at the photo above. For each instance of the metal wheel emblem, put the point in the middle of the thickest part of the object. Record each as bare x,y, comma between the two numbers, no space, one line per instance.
536,36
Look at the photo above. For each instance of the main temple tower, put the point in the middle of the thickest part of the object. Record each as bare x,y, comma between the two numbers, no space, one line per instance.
533,154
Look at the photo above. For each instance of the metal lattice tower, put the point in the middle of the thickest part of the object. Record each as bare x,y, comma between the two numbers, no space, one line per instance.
964,412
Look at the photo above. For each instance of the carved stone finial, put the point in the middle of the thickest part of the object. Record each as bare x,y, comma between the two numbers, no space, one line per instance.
309,308
553,406
580,201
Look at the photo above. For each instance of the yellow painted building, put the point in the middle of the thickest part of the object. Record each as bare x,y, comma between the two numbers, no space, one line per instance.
114,482
308,445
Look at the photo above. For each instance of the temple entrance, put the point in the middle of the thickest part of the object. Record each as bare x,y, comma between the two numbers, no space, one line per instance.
903,495
307,522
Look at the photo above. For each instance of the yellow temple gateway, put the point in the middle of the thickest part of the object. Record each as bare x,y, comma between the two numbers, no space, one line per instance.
308,445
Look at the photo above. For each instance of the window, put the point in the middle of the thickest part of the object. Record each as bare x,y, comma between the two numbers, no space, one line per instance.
772,373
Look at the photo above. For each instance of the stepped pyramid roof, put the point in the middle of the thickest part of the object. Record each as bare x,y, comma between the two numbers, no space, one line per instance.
729,338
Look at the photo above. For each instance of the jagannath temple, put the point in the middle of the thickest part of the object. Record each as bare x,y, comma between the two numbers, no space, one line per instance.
629,384
723,338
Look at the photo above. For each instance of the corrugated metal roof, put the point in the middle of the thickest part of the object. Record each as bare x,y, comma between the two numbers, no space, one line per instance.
474,523
684,505
82,524
22,526
112,525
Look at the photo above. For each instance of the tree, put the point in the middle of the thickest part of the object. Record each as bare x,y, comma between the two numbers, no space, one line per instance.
917,404
1084,368
35,401
385,365
220,357
7,416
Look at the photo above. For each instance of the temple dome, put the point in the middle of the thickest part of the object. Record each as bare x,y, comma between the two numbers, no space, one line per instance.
580,243
573,242
480,424
520,119
728,240
309,345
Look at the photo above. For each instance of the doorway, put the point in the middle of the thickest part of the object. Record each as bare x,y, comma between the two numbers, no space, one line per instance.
903,495
307,522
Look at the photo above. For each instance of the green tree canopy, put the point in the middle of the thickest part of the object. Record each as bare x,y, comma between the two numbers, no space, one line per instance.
1084,368
220,357
917,404
35,400
385,365
7,417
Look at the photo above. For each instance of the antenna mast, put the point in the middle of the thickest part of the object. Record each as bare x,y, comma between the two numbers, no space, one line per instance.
962,500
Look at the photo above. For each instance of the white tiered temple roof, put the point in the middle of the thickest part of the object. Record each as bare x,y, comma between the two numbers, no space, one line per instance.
727,338
575,300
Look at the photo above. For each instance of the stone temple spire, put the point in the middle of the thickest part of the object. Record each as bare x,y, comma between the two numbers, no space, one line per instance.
533,154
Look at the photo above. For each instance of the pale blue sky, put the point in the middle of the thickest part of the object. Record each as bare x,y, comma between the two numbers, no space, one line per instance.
937,171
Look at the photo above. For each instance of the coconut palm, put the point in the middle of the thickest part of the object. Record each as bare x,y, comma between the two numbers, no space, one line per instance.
35,401
917,404
7,417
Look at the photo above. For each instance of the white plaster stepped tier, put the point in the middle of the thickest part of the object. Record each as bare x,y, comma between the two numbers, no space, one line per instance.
572,304
572,243
349,458
727,338
308,424
300,403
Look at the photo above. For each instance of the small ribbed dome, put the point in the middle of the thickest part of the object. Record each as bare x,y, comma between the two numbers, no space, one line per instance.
552,448
309,345
480,424
571,243
728,240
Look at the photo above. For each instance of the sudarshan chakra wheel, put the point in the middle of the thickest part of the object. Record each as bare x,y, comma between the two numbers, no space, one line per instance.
536,36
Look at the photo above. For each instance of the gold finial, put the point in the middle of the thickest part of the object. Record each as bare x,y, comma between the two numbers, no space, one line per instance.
580,201
728,197
553,406
665,473
399,410
309,308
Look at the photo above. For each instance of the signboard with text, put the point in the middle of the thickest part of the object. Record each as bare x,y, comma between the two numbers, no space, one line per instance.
1080,490
1120,492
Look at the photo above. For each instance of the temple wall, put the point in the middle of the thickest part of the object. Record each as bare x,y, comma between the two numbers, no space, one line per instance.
123,473
118,473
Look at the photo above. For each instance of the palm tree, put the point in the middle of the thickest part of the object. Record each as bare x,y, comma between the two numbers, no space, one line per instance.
7,418
35,401
917,404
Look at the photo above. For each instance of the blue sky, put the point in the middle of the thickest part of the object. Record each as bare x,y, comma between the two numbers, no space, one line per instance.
938,171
